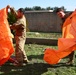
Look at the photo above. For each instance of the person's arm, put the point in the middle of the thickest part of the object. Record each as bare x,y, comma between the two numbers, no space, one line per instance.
16,25
12,27
13,11
7,7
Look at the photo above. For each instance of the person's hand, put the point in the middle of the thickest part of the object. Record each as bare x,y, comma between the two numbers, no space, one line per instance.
10,25
8,6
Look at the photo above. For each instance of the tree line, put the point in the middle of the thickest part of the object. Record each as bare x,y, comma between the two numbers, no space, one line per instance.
40,8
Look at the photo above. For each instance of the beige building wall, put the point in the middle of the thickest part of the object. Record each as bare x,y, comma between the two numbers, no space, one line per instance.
43,21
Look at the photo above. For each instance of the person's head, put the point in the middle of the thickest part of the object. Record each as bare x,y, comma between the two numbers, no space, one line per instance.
20,12
60,12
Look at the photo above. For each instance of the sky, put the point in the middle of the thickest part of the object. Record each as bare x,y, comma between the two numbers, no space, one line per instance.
70,5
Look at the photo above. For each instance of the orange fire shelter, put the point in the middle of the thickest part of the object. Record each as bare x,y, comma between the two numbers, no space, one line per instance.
6,45
66,44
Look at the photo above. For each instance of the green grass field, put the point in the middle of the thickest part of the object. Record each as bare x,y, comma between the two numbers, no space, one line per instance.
37,66
43,35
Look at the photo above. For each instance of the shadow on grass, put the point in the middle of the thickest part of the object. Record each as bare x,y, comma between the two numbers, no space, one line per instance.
35,57
29,69
32,68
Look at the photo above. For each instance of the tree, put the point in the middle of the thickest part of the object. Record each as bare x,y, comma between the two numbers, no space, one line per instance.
11,18
63,8
49,8
36,8
28,9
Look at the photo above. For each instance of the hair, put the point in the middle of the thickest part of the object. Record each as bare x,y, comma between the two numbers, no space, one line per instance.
58,9
21,10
